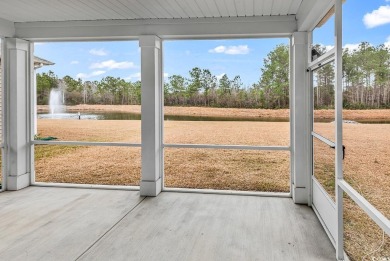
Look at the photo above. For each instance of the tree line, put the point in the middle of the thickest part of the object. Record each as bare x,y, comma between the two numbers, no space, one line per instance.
366,77
201,88
366,83
108,90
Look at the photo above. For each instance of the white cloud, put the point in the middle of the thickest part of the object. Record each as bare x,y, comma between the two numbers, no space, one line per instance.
351,47
329,47
219,76
387,43
234,49
377,17
39,43
218,49
98,52
112,64
137,76
134,77
74,62
89,75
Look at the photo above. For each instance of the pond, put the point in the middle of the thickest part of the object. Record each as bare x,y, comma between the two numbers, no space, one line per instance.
93,115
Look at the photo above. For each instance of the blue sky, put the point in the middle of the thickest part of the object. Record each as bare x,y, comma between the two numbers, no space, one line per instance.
363,21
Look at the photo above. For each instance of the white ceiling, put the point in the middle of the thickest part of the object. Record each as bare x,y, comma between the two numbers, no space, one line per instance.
90,10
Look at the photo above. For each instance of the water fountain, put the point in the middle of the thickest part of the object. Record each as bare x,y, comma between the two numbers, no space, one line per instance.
57,108
56,102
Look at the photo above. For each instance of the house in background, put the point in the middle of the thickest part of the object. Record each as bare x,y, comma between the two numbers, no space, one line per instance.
40,62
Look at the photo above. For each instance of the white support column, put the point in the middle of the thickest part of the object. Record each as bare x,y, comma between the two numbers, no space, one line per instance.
339,129
18,73
301,120
151,108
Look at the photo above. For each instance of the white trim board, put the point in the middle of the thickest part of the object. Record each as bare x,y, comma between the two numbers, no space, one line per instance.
196,28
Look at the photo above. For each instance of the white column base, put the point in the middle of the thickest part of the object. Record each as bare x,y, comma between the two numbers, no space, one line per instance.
18,182
150,188
300,195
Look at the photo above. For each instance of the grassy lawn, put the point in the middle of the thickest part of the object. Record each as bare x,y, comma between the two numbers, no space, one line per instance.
186,168
367,169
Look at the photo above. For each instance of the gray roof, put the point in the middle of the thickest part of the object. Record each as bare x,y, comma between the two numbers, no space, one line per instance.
39,62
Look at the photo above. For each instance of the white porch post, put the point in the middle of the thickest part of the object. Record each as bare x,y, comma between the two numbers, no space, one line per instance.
302,120
18,79
339,129
151,108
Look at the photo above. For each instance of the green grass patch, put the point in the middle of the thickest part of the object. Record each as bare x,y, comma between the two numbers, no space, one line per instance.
49,151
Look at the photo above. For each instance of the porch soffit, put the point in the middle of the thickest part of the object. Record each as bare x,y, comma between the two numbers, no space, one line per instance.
91,10
111,19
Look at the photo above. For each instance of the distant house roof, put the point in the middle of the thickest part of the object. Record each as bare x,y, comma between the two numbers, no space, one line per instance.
39,62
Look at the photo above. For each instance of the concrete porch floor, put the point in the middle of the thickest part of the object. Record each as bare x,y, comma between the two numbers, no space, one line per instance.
39,223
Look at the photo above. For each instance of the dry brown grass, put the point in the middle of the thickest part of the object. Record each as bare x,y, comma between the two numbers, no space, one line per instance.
366,164
227,169
196,168
367,169
88,165
91,130
363,239
324,166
